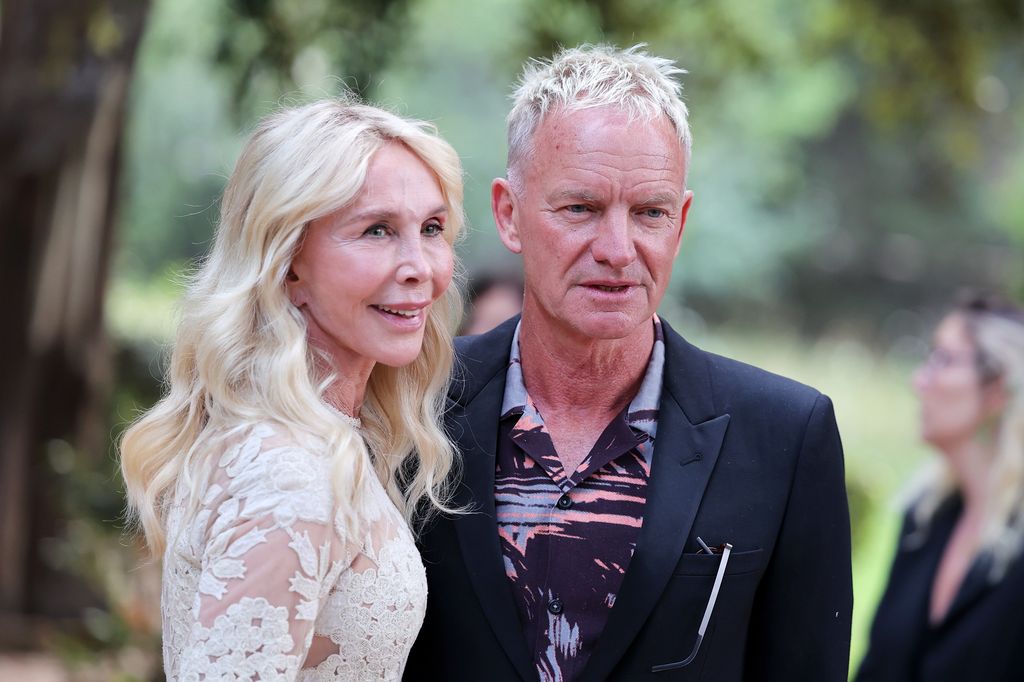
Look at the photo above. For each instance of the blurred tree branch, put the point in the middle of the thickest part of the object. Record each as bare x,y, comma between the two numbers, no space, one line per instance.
264,41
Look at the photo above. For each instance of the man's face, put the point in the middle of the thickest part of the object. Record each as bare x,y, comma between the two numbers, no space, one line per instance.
598,214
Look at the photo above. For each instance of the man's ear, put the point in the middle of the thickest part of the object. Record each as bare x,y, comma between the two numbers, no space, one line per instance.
685,211
503,206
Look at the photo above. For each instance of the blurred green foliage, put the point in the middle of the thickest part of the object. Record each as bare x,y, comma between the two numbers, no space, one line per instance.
850,158
855,162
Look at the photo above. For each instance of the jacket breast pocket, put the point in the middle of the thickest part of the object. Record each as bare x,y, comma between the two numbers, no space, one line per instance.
707,564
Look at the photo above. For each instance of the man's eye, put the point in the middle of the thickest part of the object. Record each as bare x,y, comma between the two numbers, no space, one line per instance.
433,229
655,212
377,231
576,208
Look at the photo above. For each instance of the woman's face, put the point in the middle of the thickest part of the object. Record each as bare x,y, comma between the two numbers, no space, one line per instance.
954,401
366,275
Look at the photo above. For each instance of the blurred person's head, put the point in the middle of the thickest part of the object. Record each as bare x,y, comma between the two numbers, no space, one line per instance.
961,397
491,298
334,249
971,389
595,199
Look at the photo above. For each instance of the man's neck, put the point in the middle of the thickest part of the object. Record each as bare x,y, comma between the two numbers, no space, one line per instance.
568,373
580,384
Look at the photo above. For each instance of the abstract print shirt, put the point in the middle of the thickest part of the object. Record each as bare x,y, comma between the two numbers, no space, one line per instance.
568,536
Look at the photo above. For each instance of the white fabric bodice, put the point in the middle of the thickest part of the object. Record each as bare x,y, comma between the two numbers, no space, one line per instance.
264,584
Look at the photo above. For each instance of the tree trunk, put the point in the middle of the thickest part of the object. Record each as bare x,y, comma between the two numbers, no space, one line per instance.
65,69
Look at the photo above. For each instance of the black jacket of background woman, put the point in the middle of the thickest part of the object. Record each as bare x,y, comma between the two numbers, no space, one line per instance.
981,636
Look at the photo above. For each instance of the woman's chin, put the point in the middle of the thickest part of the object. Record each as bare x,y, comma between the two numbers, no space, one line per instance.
398,358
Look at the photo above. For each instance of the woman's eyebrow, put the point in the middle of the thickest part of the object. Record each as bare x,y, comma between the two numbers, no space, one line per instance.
387,214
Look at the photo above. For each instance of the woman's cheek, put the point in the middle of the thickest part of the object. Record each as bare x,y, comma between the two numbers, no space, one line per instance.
444,269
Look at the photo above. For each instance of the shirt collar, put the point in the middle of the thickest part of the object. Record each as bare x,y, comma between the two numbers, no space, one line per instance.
642,413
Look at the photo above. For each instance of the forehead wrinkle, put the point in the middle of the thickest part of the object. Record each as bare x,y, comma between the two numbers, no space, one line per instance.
611,170
588,181
660,162
633,154
662,188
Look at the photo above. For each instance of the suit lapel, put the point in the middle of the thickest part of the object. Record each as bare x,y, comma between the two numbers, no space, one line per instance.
685,455
474,425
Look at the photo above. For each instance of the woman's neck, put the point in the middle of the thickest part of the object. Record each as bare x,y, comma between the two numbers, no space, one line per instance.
347,390
970,463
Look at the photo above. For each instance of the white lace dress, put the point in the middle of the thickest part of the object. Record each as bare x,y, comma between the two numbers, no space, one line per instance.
262,583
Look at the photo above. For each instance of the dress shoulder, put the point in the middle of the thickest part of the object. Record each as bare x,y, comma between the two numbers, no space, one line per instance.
269,471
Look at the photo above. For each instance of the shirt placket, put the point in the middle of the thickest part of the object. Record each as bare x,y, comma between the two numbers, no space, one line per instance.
554,594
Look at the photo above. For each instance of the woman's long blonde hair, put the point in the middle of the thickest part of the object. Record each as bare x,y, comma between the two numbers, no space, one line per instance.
241,353
997,331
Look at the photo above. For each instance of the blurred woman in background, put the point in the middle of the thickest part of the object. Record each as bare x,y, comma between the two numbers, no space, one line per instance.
279,475
954,605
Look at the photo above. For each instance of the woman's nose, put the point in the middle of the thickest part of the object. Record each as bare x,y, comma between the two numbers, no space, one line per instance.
413,264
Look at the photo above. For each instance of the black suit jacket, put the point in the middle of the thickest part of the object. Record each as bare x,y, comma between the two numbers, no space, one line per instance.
982,635
742,456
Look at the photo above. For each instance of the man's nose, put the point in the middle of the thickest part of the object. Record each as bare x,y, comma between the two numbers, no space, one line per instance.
613,243
413,264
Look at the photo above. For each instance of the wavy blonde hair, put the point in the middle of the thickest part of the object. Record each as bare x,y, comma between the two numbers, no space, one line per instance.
997,330
241,353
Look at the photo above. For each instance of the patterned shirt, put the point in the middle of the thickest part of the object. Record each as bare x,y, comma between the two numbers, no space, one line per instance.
568,537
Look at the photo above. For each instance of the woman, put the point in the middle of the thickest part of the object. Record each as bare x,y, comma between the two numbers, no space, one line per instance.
277,476
954,606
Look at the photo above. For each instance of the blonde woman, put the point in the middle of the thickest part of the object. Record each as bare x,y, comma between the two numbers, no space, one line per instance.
299,434
954,606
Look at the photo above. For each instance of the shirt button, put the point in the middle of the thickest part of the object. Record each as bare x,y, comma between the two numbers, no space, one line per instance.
555,606
564,502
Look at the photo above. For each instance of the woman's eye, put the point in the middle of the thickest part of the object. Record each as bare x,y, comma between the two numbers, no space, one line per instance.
433,229
377,231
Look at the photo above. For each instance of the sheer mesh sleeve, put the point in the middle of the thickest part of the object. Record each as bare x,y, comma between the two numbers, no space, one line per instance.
268,554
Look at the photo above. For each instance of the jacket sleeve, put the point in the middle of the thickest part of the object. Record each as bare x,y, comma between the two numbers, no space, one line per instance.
800,626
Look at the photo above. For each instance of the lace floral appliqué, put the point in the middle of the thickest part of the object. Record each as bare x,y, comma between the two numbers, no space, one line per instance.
262,583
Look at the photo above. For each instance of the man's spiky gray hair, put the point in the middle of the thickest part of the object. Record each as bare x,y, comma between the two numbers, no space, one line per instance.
591,76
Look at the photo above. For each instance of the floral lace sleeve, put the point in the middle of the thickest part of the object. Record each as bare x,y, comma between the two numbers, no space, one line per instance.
269,552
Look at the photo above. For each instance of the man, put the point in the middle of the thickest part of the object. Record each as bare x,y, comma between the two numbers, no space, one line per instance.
638,508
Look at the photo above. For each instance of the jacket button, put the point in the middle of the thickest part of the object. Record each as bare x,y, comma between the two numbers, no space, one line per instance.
564,502
555,606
